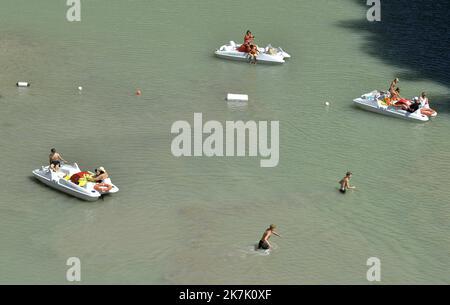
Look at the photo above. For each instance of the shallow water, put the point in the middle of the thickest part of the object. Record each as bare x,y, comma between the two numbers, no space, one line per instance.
195,220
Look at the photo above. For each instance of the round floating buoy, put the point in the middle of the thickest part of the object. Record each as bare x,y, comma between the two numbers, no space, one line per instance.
103,187
80,88
138,92
23,84
327,104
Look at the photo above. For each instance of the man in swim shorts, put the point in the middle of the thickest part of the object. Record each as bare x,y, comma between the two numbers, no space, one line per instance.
345,183
264,242
253,53
55,160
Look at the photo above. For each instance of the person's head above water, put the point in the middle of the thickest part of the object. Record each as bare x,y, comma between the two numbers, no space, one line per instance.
101,170
272,227
396,80
397,89
53,150
424,94
248,32
348,174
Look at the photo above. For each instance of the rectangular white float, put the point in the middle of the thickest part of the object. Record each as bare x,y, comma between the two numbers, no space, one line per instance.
237,97
23,84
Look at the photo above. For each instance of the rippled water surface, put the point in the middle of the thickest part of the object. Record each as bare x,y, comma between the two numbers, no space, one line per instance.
196,220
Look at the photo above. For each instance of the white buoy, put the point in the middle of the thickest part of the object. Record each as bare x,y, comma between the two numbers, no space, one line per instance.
237,97
327,104
80,88
23,84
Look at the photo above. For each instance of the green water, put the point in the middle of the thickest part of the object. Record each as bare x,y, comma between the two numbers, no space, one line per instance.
195,220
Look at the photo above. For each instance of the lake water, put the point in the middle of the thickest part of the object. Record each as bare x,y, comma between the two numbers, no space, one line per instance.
196,220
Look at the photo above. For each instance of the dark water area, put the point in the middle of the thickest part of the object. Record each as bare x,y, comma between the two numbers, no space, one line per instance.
413,36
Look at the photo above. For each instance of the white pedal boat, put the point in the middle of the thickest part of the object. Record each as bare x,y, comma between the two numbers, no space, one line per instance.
374,101
268,54
60,180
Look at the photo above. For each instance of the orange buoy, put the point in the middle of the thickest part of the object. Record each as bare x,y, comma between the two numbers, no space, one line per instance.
102,187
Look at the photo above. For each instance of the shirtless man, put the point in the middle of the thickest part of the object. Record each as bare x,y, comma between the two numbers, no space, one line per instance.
253,53
345,183
55,160
264,242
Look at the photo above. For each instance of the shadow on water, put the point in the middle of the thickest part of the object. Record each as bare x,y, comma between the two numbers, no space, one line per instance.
413,36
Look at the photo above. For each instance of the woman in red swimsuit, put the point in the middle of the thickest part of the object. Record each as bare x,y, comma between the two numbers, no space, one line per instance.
398,101
248,40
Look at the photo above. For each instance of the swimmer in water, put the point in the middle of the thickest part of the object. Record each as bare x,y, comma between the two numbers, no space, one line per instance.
345,183
264,242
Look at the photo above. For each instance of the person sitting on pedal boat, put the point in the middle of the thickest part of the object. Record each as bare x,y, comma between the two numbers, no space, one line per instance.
414,106
249,38
101,176
253,53
400,101
392,87
425,105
